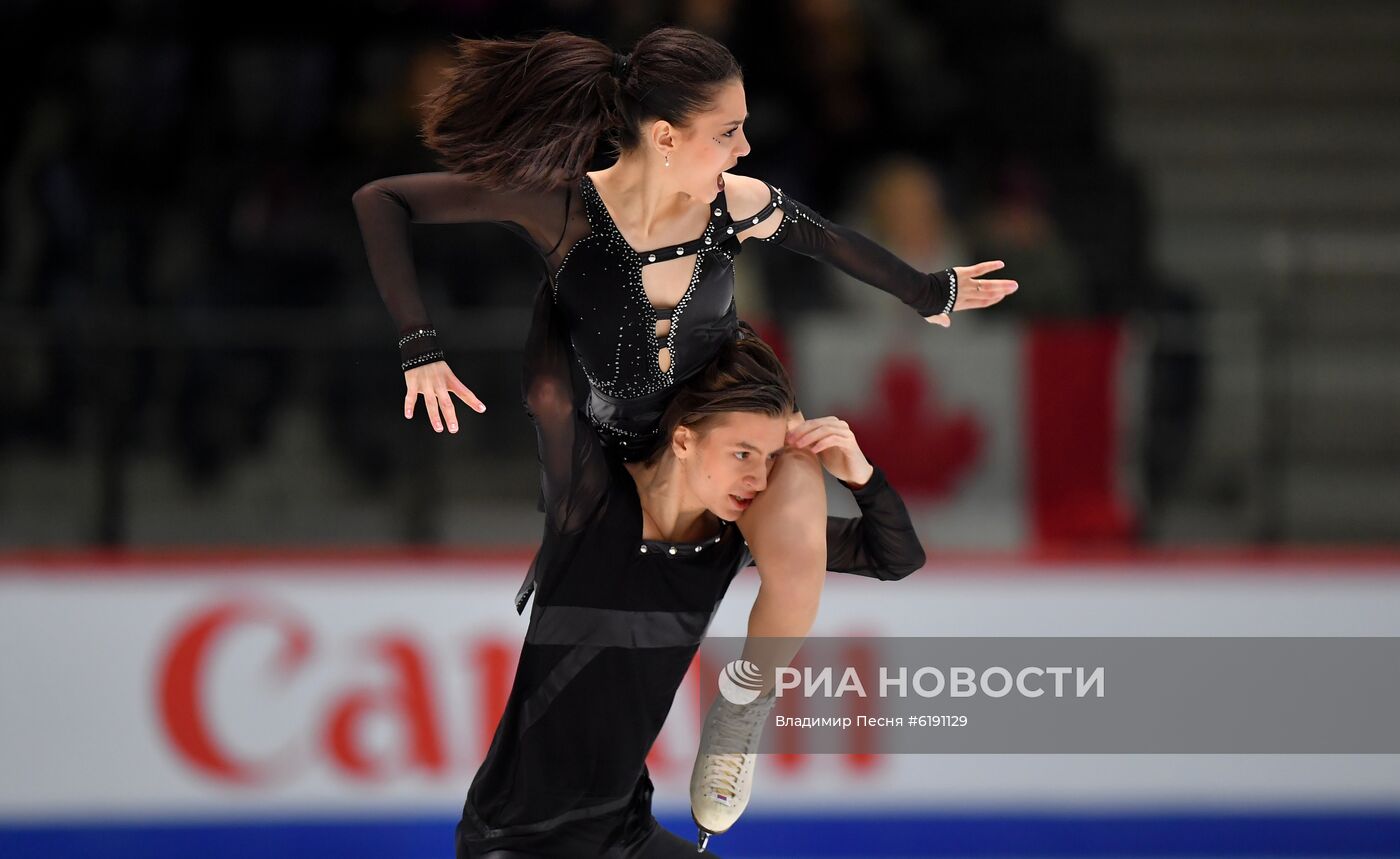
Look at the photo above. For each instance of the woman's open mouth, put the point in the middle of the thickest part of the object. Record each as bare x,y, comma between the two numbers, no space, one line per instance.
740,501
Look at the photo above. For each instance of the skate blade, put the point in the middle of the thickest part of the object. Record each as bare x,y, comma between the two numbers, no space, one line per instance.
702,835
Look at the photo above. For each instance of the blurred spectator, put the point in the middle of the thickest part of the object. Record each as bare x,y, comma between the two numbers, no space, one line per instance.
179,245
902,205
1015,227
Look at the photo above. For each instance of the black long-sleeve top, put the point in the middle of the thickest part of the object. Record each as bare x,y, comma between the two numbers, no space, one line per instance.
595,277
616,622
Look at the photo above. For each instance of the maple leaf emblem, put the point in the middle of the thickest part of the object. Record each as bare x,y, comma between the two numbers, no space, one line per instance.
924,448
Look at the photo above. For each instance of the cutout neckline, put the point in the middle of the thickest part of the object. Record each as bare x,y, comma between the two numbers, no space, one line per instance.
719,211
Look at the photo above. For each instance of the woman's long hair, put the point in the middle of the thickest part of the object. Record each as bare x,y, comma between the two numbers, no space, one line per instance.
746,376
528,114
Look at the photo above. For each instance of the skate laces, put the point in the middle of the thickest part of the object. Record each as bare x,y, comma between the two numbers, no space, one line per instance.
738,728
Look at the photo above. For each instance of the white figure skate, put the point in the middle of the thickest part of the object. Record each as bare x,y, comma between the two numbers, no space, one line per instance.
722,779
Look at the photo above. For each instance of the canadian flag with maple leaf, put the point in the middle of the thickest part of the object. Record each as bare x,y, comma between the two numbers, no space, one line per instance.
999,435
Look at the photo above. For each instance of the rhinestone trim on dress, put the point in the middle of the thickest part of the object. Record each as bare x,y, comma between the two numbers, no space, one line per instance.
655,379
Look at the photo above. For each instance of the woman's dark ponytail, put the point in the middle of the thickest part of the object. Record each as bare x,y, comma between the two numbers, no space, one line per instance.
528,115
522,114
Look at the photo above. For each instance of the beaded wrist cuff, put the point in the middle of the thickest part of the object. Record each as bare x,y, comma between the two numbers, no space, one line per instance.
416,343
952,278
425,358
420,333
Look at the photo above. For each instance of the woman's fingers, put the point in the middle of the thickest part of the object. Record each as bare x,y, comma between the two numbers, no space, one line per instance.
989,288
982,268
940,319
449,411
437,405
472,401
437,384
430,405
984,293
465,394
975,301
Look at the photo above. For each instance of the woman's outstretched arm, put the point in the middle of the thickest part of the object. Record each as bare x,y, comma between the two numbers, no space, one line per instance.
385,208
786,222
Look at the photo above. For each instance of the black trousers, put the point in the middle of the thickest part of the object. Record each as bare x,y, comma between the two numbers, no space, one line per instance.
658,843
631,832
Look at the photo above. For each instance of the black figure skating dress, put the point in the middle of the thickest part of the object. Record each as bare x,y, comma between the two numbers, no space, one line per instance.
595,278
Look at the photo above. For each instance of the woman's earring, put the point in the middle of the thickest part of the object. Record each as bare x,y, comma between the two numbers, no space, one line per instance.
668,161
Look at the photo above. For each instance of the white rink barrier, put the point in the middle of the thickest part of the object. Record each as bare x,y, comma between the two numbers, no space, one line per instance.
255,687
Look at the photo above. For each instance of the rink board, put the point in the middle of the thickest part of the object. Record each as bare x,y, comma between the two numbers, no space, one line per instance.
305,705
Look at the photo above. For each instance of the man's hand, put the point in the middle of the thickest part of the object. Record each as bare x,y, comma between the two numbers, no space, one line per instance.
835,445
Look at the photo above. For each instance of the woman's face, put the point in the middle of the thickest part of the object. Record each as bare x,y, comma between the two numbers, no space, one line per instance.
726,461
711,143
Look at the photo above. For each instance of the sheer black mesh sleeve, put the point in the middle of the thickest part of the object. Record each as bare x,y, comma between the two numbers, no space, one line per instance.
575,476
879,543
385,208
574,472
804,231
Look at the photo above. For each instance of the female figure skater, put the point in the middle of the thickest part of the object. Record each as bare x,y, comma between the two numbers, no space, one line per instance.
635,559
638,258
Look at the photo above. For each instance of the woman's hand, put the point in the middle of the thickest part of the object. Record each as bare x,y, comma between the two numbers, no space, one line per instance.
437,384
835,445
974,293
